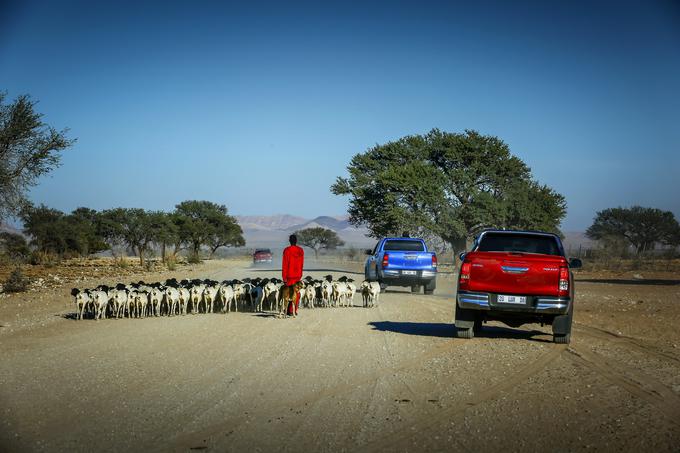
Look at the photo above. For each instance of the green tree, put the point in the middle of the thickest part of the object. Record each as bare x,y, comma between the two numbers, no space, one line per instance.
164,231
226,232
14,246
446,185
206,223
641,227
132,226
46,227
52,231
28,149
318,238
83,235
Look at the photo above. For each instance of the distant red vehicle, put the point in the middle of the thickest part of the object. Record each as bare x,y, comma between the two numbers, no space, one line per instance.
262,256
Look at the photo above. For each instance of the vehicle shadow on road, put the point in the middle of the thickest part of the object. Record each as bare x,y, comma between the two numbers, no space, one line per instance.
424,329
507,332
444,330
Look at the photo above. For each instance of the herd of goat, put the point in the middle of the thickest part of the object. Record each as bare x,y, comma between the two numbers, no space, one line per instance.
139,300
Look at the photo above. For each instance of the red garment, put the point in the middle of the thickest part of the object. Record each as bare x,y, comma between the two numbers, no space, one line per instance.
291,268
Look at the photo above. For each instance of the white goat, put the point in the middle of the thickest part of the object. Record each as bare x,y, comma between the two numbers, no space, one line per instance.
172,299
196,297
156,297
100,300
227,297
370,292
209,294
326,293
184,299
82,300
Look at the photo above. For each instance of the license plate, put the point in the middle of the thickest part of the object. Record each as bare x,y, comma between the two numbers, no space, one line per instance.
408,272
512,299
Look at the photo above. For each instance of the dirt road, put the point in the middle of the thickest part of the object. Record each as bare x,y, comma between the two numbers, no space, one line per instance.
345,379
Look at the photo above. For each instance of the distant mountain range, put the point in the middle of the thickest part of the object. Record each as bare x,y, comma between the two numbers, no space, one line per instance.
273,231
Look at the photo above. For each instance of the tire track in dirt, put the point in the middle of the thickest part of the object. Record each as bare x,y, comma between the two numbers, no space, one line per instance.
638,384
188,440
623,340
277,362
414,395
391,441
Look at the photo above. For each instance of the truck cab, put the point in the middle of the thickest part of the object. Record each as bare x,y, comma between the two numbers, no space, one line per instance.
402,261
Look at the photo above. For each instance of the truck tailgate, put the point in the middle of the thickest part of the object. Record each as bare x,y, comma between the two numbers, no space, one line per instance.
409,260
515,273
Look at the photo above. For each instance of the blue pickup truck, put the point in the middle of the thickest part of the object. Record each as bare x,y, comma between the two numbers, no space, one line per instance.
402,262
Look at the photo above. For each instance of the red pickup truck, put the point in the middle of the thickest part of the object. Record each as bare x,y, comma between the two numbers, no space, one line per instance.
516,277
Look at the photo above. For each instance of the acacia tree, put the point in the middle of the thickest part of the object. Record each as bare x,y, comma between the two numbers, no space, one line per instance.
640,227
164,230
28,149
131,226
206,223
52,231
226,233
449,185
14,246
318,238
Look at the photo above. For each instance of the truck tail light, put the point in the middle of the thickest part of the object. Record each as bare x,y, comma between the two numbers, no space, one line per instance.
464,277
563,288
385,262
434,261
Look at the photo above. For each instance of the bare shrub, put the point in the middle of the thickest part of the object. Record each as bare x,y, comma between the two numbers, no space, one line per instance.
16,282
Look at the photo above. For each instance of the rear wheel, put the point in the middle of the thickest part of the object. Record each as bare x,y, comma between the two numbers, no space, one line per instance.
415,288
478,325
562,339
465,333
430,286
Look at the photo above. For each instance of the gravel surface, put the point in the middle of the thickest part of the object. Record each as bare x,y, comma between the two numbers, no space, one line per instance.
391,378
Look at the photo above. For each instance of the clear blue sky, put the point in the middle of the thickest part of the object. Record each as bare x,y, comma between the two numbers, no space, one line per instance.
261,106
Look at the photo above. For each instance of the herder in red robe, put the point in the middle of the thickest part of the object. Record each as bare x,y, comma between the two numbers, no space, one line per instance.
291,268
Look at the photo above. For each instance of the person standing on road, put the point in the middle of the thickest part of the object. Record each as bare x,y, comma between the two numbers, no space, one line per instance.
291,268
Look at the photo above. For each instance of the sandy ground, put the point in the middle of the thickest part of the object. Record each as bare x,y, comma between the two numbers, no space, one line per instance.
391,378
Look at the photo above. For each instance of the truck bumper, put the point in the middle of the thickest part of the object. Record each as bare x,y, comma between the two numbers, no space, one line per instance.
548,305
404,277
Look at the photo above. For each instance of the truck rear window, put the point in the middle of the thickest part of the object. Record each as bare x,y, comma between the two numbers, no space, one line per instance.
526,243
404,245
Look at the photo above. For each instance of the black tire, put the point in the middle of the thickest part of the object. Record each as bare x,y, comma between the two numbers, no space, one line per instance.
415,288
465,333
562,339
478,326
383,287
430,286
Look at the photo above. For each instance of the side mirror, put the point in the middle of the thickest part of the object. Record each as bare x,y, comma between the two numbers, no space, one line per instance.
368,252
461,256
575,263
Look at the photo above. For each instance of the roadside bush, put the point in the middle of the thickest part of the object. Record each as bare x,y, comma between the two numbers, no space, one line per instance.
16,282
171,263
194,258
44,259
120,262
